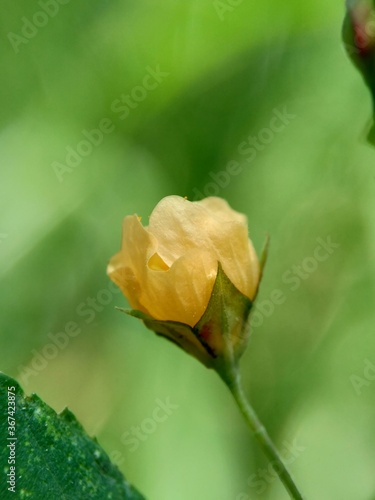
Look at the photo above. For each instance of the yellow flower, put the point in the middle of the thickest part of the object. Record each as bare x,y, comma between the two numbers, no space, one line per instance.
168,269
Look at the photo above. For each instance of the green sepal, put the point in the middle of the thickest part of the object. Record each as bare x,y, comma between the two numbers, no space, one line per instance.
220,337
179,333
263,262
224,324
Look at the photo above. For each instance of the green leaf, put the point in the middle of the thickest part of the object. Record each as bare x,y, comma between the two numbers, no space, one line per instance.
53,456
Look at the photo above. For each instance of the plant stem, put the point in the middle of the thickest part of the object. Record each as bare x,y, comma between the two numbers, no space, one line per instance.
262,437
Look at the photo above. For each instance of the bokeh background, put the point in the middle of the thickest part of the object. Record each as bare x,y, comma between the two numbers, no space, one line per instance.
225,67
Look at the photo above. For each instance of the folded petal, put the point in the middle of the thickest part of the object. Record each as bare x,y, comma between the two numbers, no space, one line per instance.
210,225
128,268
182,292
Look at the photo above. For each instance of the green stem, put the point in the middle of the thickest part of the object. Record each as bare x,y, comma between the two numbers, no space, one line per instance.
263,438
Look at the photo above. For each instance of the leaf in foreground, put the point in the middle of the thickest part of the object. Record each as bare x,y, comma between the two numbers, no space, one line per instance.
52,455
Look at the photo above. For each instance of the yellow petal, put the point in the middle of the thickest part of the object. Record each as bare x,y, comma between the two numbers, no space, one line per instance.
182,292
156,263
219,209
128,269
210,225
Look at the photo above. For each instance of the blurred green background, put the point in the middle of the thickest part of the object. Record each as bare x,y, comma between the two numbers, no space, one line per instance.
224,69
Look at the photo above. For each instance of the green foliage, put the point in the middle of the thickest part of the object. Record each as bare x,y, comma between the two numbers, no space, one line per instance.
313,179
52,455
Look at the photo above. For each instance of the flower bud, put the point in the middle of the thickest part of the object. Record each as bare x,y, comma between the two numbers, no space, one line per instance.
359,40
191,275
